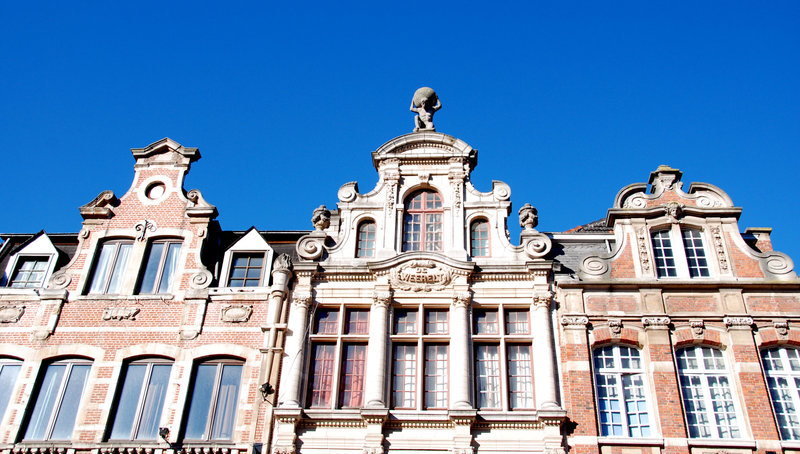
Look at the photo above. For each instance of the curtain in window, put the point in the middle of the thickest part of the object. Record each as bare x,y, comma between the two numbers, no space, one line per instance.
488,376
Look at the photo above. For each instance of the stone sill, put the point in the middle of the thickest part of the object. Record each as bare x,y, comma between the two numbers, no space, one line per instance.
714,442
119,297
790,444
630,441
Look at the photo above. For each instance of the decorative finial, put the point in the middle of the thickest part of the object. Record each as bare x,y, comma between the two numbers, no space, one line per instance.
321,218
425,103
528,217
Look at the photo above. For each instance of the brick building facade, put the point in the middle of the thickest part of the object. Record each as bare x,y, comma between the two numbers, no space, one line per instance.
407,321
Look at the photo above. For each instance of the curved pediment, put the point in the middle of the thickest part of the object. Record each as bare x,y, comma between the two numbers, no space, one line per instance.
427,146
421,271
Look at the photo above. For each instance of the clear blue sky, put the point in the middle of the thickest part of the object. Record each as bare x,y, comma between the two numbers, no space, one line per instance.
567,101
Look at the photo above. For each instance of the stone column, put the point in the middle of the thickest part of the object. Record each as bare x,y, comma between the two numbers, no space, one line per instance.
459,352
289,395
543,353
375,386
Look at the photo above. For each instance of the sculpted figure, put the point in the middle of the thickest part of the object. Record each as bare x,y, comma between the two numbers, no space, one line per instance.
321,218
528,217
425,103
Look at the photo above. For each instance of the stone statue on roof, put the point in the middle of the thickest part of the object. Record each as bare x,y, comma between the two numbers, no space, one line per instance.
425,103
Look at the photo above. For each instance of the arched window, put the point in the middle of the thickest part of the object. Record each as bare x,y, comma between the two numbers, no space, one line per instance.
422,226
621,396
707,393
212,409
58,397
366,239
479,238
782,366
9,369
141,400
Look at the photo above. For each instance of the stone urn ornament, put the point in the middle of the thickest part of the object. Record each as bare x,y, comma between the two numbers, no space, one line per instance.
425,103
321,218
528,217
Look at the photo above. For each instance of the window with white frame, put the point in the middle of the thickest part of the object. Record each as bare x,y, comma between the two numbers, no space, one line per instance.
212,408
338,357
57,399
141,400
708,399
621,397
687,261
366,239
247,262
479,238
503,362
110,265
782,367
247,269
9,370
160,266
29,272
420,362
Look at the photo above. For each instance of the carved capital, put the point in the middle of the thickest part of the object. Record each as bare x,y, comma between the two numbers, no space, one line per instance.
381,299
655,322
542,299
738,322
574,321
301,299
284,450
462,299
282,263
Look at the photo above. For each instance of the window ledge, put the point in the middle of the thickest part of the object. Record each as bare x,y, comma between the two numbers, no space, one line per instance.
30,291
120,297
346,413
413,415
234,290
790,444
730,442
511,415
630,441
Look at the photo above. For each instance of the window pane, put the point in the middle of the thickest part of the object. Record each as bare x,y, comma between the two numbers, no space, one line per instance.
783,381
520,376
170,264
355,357
422,224
436,376
405,322
225,412
154,402
246,270
479,239
695,255
706,393
201,402
102,268
8,378
322,375
65,420
45,402
357,322
404,377
662,248
487,375
128,402
327,321
366,240
119,267
517,322
435,322
486,322
151,271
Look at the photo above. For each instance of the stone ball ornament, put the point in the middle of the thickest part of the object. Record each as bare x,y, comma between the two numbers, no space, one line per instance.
425,95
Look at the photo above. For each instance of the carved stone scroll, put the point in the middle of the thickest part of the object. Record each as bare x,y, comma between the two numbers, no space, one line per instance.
743,321
655,322
574,321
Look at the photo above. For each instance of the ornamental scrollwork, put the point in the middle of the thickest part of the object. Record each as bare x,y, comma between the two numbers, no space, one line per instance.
698,327
574,321
643,238
542,299
236,313
120,313
719,246
738,321
781,327
143,227
655,321
421,275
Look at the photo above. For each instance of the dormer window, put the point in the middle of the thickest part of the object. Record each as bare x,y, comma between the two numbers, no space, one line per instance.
29,272
110,266
162,261
246,270
422,226
247,263
670,260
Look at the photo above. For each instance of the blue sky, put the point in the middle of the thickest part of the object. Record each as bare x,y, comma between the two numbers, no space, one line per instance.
567,102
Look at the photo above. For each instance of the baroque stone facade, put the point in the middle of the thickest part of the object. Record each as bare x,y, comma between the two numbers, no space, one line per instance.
405,320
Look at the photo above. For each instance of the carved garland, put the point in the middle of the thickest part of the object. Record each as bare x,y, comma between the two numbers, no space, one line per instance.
719,245
644,257
421,275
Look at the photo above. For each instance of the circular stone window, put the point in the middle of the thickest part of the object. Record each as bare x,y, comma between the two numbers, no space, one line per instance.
155,190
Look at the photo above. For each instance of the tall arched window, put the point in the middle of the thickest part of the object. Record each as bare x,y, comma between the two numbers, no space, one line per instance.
366,239
782,366
422,226
479,238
